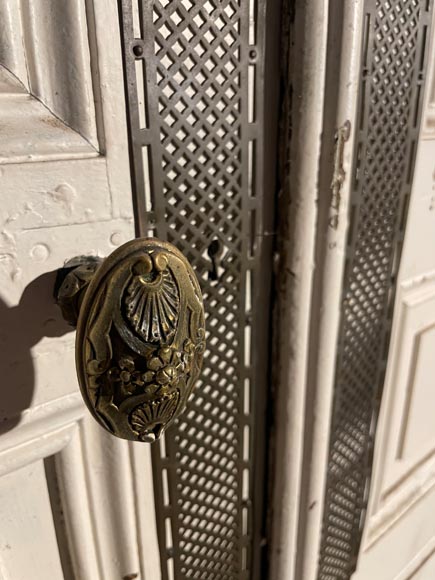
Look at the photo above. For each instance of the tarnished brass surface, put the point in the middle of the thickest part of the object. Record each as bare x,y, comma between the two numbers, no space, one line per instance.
140,337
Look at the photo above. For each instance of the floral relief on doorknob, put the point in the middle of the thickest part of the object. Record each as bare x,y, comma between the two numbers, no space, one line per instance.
140,335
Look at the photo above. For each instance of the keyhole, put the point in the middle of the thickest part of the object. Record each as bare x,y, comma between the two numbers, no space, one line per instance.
214,251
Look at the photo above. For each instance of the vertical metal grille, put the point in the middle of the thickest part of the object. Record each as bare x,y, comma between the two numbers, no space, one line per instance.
392,79
196,120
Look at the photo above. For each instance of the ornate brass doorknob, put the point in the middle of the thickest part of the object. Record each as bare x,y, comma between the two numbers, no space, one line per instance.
140,335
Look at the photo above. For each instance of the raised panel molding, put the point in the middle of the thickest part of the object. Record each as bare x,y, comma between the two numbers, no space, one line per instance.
51,49
418,563
409,493
77,508
12,55
42,431
121,495
105,487
411,465
28,546
57,49
419,342
32,133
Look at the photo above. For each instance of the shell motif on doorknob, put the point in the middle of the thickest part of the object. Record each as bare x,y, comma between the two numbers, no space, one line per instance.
140,335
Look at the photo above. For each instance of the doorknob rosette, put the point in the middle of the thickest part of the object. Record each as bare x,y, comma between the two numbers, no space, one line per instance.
140,337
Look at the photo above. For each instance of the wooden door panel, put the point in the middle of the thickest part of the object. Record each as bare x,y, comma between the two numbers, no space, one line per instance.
104,486
410,441
76,503
399,551
30,548
405,474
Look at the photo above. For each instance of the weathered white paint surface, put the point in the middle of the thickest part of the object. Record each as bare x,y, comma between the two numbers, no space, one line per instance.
30,132
312,262
65,191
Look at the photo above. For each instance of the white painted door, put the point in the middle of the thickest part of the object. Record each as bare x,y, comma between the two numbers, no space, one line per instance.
399,534
74,501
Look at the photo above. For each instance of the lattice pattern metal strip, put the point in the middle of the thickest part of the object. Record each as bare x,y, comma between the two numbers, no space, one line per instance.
392,78
196,131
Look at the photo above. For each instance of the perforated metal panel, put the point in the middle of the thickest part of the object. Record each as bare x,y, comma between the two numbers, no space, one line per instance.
392,78
196,96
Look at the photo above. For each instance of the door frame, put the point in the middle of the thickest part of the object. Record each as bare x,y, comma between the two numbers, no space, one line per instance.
321,86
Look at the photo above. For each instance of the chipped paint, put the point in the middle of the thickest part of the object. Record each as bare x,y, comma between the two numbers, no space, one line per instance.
342,135
63,195
61,199
8,255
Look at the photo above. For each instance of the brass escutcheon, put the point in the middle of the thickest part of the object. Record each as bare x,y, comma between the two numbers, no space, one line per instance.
140,335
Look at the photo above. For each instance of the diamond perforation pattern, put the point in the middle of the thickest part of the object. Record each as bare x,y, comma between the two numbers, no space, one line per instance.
197,51
203,179
380,185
